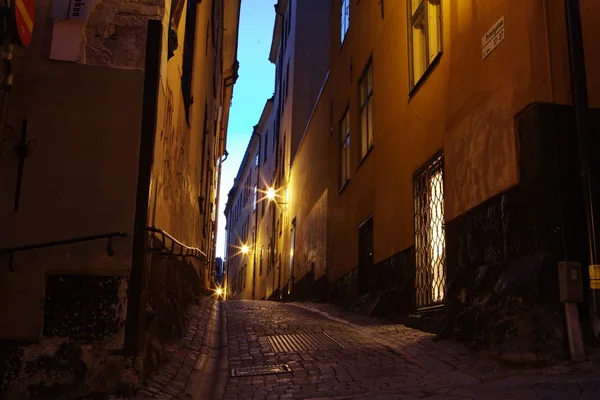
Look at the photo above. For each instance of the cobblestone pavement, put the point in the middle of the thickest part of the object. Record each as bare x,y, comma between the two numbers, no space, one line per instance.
378,360
172,379
366,358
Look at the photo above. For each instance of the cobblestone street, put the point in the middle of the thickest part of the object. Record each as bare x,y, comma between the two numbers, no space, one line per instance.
333,354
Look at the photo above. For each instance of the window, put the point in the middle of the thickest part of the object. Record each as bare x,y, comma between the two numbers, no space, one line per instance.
262,205
424,36
287,77
188,55
345,15
256,159
345,148
430,238
260,262
255,199
244,278
266,146
365,96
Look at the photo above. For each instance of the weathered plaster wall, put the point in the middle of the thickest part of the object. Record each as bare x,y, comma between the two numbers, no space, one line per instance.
308,193
79,179
182,173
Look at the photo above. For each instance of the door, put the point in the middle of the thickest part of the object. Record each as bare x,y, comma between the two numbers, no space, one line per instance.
292,250
365,257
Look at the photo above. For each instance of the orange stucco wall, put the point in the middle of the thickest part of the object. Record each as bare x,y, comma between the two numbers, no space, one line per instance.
465,105
79,179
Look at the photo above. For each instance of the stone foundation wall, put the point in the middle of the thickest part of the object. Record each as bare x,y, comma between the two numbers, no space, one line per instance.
502,255
78,353
173,284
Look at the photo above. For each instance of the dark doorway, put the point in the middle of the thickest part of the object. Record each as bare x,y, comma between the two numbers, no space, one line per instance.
365,256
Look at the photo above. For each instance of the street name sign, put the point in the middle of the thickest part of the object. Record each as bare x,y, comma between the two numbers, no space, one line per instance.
492,38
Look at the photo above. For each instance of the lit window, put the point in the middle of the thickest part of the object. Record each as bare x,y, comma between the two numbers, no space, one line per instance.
255,199
345,14
365,95
424,36
345,148
430,238
256,159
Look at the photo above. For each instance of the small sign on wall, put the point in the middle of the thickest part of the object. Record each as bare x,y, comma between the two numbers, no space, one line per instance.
492,38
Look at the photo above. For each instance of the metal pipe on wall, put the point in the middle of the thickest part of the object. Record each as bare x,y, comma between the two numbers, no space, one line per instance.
278,126
256,133
581,106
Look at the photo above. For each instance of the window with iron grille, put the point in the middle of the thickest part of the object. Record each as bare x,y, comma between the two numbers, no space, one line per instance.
424,36
365,96
430,236
345,148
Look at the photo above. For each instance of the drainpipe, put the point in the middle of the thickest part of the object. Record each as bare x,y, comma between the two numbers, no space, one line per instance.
6,85
255,238
278,125
580,104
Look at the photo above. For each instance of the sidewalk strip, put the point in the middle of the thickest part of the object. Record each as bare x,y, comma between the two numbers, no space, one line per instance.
412,354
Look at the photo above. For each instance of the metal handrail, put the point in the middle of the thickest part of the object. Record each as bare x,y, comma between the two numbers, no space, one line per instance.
12,250
184,251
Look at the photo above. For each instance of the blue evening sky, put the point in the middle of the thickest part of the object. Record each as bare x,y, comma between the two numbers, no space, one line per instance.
254,86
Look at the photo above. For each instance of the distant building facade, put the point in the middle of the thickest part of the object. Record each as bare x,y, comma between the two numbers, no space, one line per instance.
300,52
126,116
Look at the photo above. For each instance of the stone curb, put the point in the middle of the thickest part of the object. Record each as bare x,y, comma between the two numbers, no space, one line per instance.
223,365
412,354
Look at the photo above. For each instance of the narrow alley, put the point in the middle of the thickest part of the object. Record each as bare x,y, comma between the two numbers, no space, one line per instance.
332,354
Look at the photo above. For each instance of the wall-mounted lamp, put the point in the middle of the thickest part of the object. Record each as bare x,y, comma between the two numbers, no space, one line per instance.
272,195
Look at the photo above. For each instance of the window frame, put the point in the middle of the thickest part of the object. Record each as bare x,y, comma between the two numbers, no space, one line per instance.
345,140
414,84
367,103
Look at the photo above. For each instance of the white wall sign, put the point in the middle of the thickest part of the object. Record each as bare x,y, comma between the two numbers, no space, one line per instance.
492,38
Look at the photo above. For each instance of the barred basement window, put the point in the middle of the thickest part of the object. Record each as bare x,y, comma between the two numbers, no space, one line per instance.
430,236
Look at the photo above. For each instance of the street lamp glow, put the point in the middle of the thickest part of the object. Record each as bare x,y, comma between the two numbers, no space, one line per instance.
271,193
219,291
245,249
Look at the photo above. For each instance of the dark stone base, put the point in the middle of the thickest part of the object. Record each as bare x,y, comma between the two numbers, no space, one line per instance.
173,284
502,255
391,284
